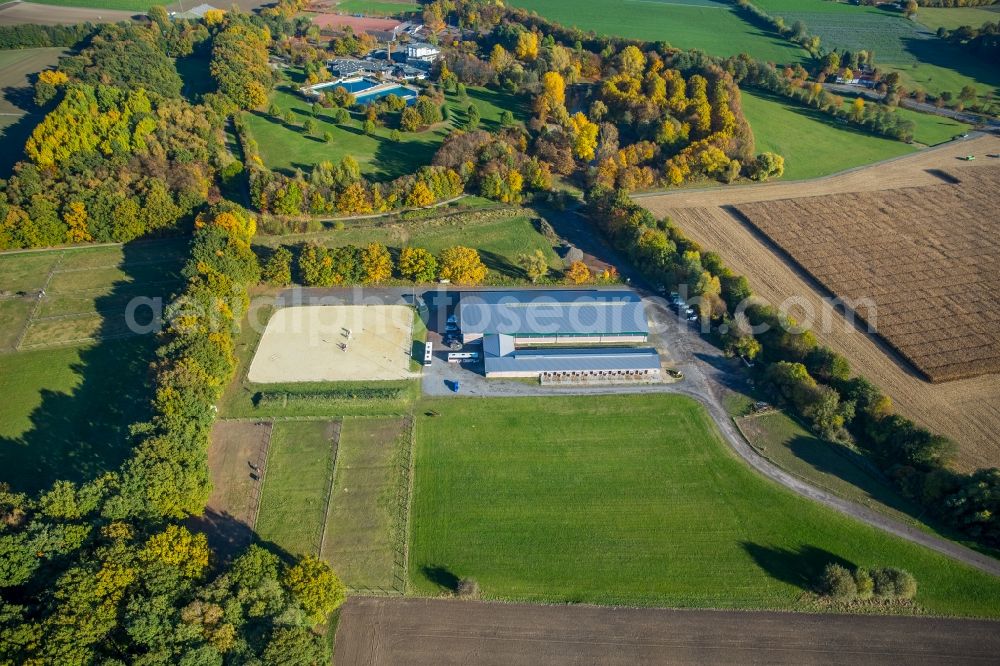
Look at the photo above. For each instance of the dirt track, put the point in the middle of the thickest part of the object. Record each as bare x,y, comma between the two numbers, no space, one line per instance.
27,12
428,631
967,411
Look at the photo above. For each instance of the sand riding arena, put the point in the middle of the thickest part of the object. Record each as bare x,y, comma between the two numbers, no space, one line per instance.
335,343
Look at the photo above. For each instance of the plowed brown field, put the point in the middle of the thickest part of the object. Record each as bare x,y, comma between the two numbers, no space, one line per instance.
966,410
927,258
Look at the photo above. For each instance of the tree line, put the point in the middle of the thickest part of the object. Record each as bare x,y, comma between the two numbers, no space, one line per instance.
815,382
120,154
983,41
105,570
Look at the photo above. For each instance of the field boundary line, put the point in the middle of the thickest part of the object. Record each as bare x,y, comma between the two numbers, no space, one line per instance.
409,503
335,444
38,302
263,474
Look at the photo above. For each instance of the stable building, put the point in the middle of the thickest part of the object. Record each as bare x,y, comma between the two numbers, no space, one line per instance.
522,333
554,316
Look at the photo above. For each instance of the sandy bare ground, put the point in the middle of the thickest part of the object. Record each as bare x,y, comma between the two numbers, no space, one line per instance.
27,12
429,631
311,344
236,460
968,410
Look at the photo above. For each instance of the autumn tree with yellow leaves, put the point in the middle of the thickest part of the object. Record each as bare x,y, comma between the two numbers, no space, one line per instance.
461,265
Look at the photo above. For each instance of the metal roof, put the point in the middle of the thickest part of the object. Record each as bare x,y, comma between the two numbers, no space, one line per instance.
574,360
498,345
552,312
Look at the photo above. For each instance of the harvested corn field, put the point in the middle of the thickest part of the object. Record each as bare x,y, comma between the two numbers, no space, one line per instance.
926,259
965,410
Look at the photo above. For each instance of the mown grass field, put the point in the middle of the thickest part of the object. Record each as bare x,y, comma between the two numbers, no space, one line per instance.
62,415
812,143
65,411
286,147
365,531
87,291
127,5
297,483
708,25
377,7
498,239
955,17
632,500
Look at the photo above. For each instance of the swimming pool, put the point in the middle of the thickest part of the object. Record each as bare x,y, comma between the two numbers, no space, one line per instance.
351,85
408,94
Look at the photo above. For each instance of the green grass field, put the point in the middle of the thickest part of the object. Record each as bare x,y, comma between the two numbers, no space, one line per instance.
125,5
87,290
899,44
286,148
499,240
812,143
62,415
365,531
632,500
65,412
708,25
955,17
296,485
377,7
888,33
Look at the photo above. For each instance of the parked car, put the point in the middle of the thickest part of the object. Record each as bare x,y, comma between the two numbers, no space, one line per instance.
676,374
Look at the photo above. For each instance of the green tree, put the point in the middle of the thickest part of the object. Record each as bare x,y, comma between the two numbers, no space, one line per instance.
314,584
417,264
277,270
838,583
377,263
473,115
462,265
535,265
410,120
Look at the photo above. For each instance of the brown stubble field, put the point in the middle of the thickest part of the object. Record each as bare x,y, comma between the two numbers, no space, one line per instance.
966,410
928,258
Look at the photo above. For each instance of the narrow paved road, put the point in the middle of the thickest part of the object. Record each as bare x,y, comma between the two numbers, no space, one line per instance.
444,631
914,105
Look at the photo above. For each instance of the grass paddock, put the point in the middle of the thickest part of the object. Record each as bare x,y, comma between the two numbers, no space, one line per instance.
633,500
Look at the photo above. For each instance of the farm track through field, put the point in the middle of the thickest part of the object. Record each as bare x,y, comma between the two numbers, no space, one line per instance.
966,410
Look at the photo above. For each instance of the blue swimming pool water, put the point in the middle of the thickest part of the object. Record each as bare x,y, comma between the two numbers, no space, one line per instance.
399,91
351,86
